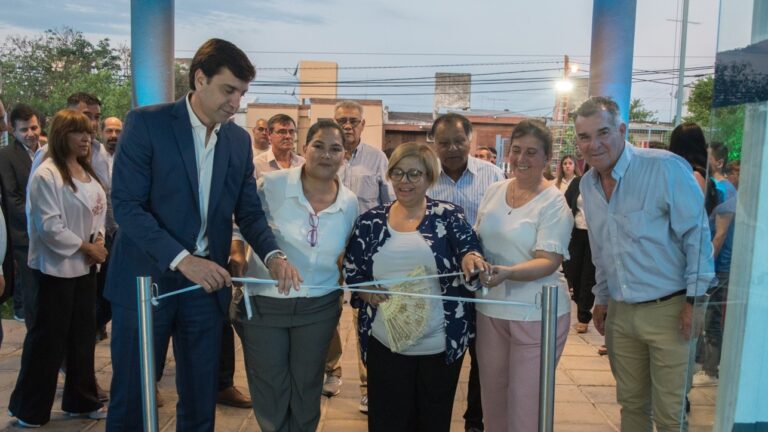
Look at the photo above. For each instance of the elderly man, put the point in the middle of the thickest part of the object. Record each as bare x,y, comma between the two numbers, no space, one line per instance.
365,173
463,180
260,137
281,154
651,248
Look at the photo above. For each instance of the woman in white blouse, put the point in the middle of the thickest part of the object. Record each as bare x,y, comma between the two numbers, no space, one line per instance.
285,342
524,225
66,207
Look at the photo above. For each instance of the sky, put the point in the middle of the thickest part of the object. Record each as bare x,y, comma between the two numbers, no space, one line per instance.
395,39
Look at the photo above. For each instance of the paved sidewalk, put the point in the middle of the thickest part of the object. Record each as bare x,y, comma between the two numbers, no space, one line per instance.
585,398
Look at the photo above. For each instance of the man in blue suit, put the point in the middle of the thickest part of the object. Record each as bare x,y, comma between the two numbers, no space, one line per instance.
180,173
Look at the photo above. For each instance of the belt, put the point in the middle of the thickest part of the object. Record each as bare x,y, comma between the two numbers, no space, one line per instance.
665,298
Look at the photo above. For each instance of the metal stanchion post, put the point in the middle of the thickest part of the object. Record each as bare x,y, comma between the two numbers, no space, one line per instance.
147,353
548,351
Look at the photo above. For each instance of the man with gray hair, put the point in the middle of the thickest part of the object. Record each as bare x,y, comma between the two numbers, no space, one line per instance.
365,173
651,249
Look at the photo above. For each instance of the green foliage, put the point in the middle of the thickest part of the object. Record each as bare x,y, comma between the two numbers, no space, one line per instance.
42,71
639,114
721,124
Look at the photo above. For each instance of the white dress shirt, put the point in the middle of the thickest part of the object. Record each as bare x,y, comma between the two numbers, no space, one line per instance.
204,153
60,220
266,162
288,214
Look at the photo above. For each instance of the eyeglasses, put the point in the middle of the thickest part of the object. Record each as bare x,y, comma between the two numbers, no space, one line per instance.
352,121
413,175
285,132
314,221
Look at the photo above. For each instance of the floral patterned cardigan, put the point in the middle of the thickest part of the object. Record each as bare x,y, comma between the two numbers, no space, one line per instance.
449,235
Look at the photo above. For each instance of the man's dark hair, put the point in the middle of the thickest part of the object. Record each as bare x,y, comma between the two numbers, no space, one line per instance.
22,112
719,152
74,100
596,104
279,119
215,54
452,118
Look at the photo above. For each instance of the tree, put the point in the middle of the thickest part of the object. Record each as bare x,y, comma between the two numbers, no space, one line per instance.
639,114
42,71
721,124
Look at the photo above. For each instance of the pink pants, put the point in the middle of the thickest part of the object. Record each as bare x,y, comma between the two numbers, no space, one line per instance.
508,353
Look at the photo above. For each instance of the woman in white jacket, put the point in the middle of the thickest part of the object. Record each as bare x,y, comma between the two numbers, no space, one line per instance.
66,207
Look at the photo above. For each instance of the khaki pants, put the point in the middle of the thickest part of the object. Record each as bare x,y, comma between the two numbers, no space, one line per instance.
333,360
650,361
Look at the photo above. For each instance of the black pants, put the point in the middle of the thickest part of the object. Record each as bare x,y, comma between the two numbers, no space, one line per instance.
25,299
409,393
580,272
473,416
103,306
64,328
227,356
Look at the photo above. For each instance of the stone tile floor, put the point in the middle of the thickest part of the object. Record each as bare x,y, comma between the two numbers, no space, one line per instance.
585,397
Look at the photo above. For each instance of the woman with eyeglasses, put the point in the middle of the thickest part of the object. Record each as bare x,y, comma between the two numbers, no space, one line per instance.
285,342
413,347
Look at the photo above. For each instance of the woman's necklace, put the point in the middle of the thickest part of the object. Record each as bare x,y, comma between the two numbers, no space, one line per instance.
524,198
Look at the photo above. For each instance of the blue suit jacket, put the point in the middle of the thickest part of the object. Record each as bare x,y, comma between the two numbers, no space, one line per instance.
155,200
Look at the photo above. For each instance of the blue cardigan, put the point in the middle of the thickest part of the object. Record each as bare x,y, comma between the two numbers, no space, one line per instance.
449,235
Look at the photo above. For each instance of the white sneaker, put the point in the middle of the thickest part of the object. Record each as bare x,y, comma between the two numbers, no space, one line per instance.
703,379
363,404
332,386
98,414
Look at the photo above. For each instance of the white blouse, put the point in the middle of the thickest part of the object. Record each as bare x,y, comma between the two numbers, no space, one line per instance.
401,254
59,220
288,214
512,235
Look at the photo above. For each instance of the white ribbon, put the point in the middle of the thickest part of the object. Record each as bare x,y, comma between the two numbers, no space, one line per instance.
351,288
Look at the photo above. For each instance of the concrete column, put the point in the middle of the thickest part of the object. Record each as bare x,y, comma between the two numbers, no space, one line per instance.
152,56
613,44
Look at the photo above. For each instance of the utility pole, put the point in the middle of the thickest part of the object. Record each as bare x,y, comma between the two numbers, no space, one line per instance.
681,67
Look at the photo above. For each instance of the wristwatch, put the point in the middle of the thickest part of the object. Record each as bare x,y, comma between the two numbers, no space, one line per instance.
279,254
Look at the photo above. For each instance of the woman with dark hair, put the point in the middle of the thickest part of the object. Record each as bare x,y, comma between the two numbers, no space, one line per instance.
687,141
566,172
66,207
524,225
579,270
285,343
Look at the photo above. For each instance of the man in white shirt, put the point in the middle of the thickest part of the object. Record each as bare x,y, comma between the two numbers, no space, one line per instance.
463,180
260,137
282,153
181,172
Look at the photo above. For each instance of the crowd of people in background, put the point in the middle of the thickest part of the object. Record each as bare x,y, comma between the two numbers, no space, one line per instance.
646,234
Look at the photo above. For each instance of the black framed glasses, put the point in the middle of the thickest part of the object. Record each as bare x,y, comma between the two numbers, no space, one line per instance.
351,120
412,175
285,132
314,221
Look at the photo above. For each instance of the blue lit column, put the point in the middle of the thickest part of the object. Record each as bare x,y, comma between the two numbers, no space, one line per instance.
152,51
613,44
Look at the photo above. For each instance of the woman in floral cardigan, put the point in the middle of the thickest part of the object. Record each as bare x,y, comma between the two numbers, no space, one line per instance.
413,347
